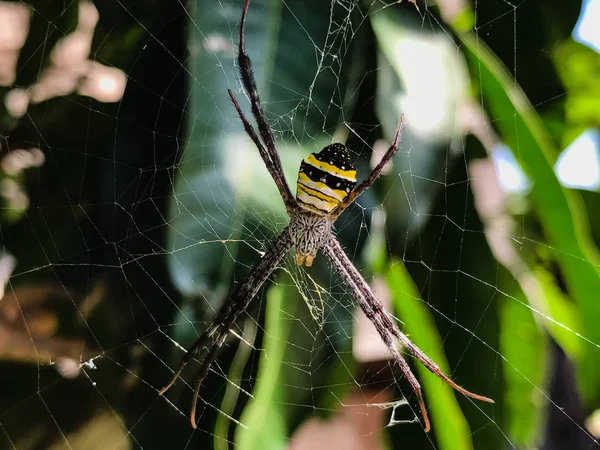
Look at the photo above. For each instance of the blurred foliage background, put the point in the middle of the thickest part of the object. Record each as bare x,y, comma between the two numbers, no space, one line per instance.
131,203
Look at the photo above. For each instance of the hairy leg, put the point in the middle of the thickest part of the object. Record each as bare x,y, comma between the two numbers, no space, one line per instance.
366,184
245,66
235,304
386,327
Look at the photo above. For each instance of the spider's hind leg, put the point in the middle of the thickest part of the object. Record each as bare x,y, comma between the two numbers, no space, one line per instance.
387,328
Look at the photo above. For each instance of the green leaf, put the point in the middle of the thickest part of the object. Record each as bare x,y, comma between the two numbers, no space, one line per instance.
222,425
559,210
523,346
419,74
448,423
297,366
579,67
224,201
563,318
263,418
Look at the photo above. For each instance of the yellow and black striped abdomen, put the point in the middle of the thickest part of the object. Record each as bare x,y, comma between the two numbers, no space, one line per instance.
325,179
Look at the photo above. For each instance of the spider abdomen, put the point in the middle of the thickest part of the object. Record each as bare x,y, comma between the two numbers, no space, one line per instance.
325,179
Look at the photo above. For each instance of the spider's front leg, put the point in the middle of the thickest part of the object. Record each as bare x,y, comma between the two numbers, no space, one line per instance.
268,151
273,166
366,184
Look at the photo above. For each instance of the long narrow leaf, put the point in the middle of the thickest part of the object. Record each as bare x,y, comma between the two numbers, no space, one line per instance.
448,423
559,210
264,417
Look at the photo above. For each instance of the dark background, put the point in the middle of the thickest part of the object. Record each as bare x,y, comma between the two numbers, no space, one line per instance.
108,261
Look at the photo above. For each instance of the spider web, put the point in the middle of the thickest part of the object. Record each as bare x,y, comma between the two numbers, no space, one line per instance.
132,203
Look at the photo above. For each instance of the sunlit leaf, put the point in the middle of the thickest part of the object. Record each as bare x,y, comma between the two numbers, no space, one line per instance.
576,65
523,345
420,75
563,318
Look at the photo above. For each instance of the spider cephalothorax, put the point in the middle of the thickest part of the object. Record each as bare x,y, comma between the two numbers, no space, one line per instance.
309,232
326,187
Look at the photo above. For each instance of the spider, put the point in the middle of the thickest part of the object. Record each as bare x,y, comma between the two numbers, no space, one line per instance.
326,186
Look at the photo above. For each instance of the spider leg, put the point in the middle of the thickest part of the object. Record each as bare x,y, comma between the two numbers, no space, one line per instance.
275,171
203,371
341,266
270,155
366,184
189,355
235,304
386,327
